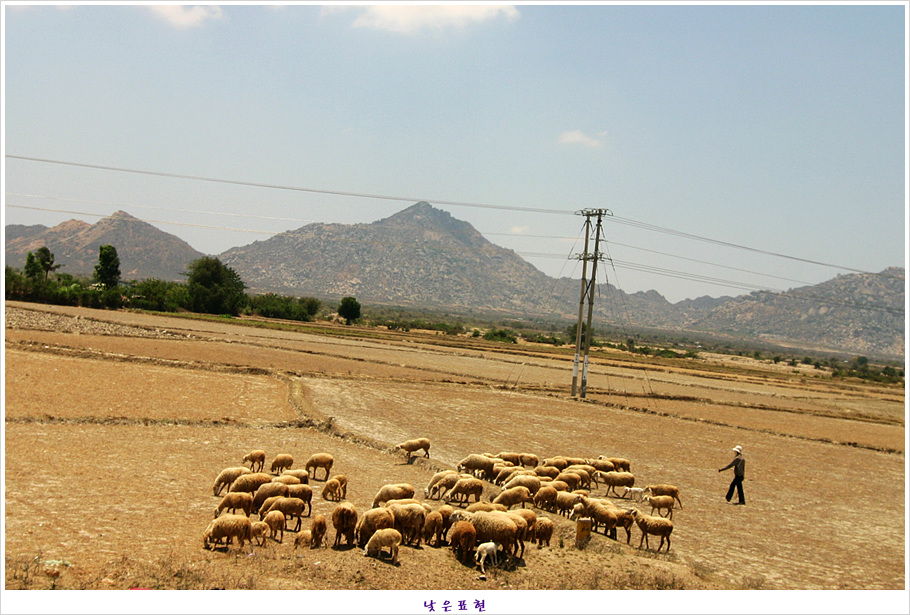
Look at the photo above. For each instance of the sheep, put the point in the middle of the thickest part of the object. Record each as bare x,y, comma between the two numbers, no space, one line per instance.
495,527
464,537
265,506
435,479
302,492
256,459
616,479
393,491
521,534
432,528
548,471
412,446
565,502
250,482
513,458
227,477
505,474
446,483
320,460
384,538
559,485
527,514
486,550
227,526
531,482
258,530
287,479
671,490
370,521
636,494
301,475
268,490
529,459
477,465
281,463
557,462
661,502
485,506
290,507
623,519
545,498
542,531
513,496
405,501
446,511
619,463
276,522
344,520
583,473
600,515
332,490
409,520
569,478
318,529
343,482
656,526
466,487
601,464
234,501
304,538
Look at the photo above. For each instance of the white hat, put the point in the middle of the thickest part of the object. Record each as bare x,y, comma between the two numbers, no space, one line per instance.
738,449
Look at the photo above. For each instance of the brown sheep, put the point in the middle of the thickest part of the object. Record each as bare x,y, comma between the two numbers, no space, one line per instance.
433,529
226,478
238,500
256,459
268,490
276,522
656,526
394,491
332,490
542,531
229,527
302,492
466,487
344,520
289,507
463,539
320,460
370,521
318,529
280,463
412,446
664,490
250,482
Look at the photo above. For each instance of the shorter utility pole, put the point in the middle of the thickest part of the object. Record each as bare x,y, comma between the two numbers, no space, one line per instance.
583,342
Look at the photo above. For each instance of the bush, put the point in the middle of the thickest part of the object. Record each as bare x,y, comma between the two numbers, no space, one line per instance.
501,335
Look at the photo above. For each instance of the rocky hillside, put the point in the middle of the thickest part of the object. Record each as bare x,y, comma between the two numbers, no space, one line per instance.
144,251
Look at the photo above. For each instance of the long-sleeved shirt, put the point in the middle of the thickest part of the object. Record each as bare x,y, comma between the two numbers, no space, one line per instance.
738,464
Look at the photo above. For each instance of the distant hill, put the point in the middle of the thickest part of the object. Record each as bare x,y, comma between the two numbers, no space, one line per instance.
144,251
424,258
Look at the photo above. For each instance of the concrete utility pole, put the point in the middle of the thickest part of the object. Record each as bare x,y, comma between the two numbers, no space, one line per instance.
587,292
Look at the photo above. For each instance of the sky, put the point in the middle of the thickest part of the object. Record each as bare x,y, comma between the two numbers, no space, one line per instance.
735,147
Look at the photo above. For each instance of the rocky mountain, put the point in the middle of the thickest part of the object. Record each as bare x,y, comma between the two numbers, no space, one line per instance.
424,257
144,251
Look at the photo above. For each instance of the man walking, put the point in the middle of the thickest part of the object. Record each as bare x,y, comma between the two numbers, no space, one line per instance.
739,473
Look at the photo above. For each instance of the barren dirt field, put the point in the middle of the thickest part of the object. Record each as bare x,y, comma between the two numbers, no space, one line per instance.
117,423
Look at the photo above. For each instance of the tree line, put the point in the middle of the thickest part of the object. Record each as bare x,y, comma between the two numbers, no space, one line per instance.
211,287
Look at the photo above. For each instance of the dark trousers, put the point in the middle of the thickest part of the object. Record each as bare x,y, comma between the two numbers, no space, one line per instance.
737,484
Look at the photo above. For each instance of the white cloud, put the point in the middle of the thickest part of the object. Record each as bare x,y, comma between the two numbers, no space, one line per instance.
519,230
577,137
184,17
410,19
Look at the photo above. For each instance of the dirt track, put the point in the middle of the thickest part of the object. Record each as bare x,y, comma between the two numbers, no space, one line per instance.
106,432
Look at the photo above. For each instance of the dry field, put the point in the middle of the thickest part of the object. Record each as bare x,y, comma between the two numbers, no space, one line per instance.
116,424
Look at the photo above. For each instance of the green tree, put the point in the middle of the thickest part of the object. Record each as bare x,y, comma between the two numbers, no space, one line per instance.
33,269
107,271
214,288
46,259
349,309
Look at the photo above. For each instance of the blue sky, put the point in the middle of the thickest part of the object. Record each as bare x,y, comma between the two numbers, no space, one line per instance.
775,127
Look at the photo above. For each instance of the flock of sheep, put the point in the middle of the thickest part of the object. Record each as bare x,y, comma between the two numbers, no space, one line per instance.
473,526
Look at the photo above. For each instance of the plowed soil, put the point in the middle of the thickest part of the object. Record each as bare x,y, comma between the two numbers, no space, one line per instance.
116,424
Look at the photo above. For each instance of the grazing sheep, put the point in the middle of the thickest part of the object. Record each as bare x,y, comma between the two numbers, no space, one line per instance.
444,484
559,485
302,492
409,520
527,514
619,464
370,521
600,515
623,519
463,539
435,479
513,496
565,502
412,446
466,487
560,463
601,464
256,459
671,490
267,491
616,479
521,534
250,482
276,522
505,474
547,471
320,460
227,527
542,531
405,501
583,473
661,502
258,530
287,479
432,528
636,494
318,529
389,538
344,520
513,458
486,550
495,527
332,490
477,465
545,498
227,477
569,478
264,508
529,459
235,501
393,491
656,526
302,475
304,538
343,481
524,480
289,507
446,511
280,463
485,506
